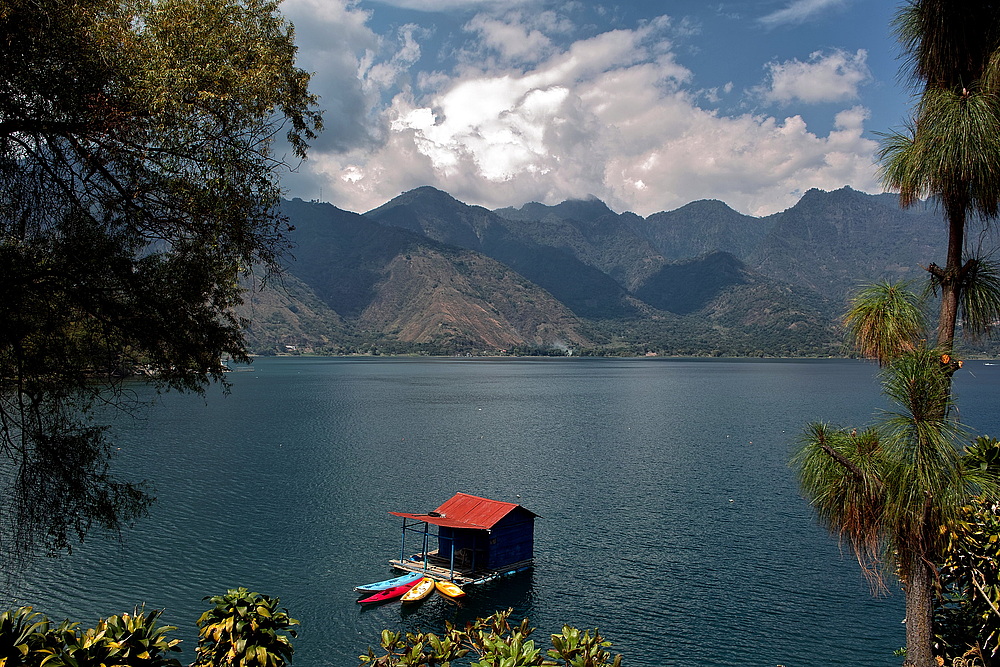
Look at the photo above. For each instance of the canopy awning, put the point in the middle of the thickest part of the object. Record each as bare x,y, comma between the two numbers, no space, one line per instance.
440,521
465,511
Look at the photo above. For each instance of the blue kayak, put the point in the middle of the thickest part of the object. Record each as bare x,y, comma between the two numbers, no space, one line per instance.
389,583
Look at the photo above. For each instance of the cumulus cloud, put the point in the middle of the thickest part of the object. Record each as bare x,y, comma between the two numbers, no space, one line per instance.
614,115
337,45
832,77
448,5
799,11
756,164
518,37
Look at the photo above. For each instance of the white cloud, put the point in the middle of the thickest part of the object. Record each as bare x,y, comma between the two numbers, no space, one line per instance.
386,74
799,11
331,35
614,115
448,5
757,165
832,77
518,37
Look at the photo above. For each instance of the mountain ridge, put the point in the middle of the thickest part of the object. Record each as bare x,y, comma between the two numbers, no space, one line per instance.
427,273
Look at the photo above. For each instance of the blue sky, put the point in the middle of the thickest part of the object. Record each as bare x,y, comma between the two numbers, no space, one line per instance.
645,105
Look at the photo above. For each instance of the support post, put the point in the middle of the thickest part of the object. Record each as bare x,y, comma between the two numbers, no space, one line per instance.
451,575
475,548
426,529
402,546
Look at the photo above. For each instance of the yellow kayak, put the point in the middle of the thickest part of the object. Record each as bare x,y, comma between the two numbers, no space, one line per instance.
449,589
419,591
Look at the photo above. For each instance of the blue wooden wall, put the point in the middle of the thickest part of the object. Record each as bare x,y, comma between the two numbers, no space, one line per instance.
511,540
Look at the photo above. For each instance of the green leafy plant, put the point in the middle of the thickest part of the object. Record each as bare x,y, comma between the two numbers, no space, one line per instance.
494,643
244,629
137,639
967,613
581,650
22,635
67,647
130,640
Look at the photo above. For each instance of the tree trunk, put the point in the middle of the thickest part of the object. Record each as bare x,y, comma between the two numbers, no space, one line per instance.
951,277
919,614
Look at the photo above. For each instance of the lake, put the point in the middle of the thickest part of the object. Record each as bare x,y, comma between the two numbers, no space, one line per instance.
668,516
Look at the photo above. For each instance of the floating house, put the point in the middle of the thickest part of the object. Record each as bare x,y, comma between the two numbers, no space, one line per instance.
476,539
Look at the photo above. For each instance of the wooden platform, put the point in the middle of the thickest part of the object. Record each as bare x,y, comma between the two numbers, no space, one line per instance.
438,568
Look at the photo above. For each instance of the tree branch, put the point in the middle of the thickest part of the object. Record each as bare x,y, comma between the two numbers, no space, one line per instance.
986,596
859,474
935,270
42,127
842,460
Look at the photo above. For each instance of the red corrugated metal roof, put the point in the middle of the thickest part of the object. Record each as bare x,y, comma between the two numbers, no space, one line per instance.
465,511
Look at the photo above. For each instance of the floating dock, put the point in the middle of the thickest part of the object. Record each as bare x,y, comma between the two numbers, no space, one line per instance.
478,540
439,568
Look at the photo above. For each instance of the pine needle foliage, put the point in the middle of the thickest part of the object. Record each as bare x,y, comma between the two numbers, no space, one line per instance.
840,472
923,474
884,321
891,489
950,149
979,307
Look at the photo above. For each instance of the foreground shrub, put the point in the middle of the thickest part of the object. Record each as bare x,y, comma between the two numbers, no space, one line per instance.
132,640
492,642
244,629
967,609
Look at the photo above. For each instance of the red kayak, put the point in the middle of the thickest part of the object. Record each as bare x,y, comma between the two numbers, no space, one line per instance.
389,593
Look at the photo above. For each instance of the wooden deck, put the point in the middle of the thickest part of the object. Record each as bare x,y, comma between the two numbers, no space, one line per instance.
439,569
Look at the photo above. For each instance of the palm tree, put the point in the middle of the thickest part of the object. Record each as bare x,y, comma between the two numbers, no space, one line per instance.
890,489
884,321
951,149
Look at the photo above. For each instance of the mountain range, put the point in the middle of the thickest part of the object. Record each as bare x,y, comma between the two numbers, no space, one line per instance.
426,273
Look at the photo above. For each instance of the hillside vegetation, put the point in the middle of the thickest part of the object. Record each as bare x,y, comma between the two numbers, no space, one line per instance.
426,273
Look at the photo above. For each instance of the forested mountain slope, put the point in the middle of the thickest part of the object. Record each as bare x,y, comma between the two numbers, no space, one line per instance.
427,272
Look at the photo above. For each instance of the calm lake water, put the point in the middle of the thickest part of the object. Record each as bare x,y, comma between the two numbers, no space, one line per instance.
668,515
